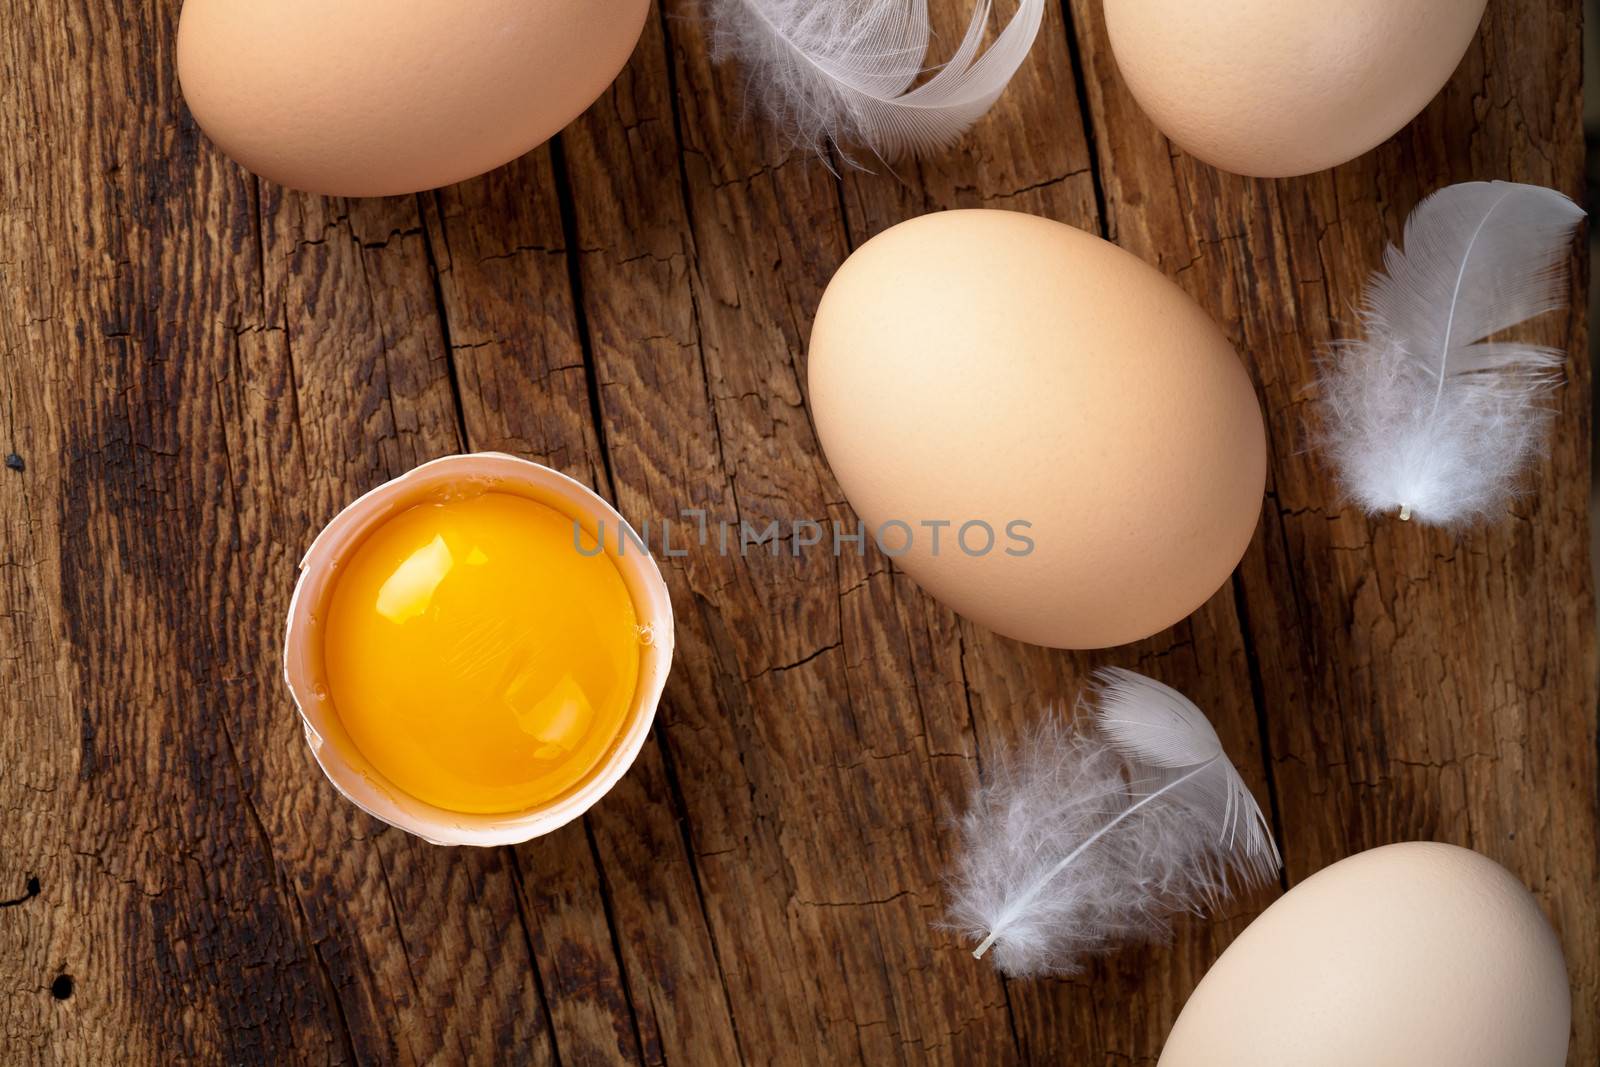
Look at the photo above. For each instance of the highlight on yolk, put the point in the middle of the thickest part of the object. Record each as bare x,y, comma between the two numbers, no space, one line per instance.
476,657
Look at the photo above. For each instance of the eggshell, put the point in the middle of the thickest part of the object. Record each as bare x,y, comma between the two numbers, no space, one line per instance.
1274,88
350,772
1402,956
988,366
377,97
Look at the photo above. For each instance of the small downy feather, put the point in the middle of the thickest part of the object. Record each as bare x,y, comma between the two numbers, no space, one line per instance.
841,71
1425,416
1098,833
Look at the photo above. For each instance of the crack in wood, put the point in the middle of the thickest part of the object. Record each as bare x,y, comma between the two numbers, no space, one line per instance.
30,890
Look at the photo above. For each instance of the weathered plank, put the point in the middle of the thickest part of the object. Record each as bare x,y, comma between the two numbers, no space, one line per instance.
1114,1011
1416,684
804,781
236,366
615,938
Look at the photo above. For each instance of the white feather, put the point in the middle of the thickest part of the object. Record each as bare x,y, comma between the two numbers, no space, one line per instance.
1089,837
841,71
1425,417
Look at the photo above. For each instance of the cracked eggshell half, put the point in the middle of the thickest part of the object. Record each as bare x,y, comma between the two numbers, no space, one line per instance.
1275,88
337,754
382,97
998,368
1405,955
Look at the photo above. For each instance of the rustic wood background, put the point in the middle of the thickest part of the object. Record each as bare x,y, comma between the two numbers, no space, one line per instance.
197,370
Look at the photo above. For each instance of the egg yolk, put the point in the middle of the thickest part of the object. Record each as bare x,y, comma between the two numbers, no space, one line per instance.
478,659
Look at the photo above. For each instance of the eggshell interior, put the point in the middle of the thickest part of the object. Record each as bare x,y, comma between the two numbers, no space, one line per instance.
338,756
1402,956
378,97
998,367
1274,88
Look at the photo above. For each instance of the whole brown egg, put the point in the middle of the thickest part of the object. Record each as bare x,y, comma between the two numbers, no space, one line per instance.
1042,430
1275,88
380,97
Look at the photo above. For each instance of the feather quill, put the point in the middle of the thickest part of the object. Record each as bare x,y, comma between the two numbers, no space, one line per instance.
1425,415
841,71
1098,834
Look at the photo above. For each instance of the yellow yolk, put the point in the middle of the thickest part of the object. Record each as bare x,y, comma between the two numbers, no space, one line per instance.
476,657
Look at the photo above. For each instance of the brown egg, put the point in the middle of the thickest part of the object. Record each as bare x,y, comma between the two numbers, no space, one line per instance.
1274,88
1406,955
379,97
995,371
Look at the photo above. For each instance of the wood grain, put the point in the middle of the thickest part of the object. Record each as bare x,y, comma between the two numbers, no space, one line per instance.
197,370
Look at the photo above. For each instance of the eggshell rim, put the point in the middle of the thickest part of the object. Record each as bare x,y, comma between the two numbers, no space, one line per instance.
367,788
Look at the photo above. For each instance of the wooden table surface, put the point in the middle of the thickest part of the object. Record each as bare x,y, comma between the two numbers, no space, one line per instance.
197,370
